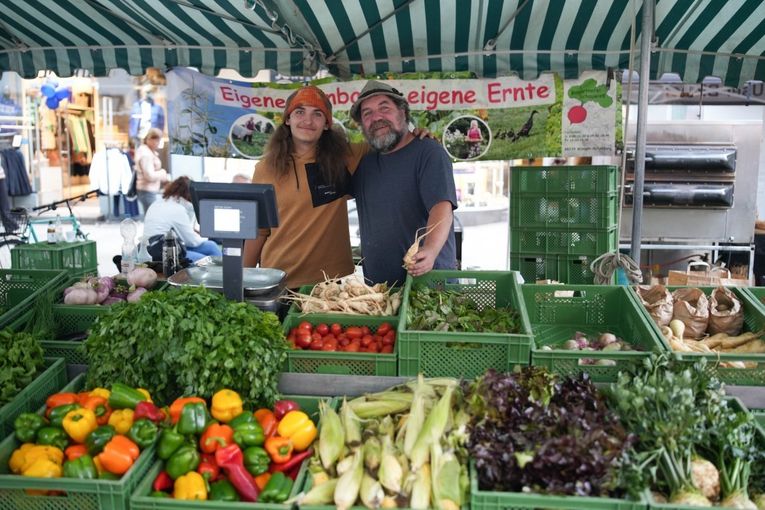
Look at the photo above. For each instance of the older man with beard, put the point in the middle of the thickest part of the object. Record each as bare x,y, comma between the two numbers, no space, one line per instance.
403,185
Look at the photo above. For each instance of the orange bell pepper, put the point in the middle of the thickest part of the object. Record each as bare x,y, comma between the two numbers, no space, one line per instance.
267,420
216,436
177,406
118,455
59,399
99,406
279,449
75,451
262,480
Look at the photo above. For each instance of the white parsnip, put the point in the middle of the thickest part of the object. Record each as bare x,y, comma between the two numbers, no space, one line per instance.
348,295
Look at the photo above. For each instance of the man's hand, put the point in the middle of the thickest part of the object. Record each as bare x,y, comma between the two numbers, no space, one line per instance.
424,260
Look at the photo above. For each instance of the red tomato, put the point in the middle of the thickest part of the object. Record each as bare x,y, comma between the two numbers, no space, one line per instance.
293,331
386,349
303,339
343,341
305,325
322,329
372,348
317,345
315,337
365,330
383,328
367,340
341,336
388,340
329,345
336,329
391,334
353,332
352,347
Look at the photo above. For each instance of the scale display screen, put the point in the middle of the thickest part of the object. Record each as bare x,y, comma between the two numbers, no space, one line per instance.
228,219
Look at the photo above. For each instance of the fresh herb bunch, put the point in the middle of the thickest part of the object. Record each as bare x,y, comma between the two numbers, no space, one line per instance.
21,356
190,341
451,310
533,432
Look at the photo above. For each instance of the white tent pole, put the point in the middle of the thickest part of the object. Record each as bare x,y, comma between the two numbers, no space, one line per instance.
646,36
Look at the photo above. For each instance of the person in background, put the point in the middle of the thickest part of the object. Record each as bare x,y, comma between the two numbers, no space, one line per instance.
241,179
175,211
404,184
149,172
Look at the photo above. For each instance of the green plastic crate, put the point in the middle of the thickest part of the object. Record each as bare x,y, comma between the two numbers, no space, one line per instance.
342,363
557,312
563,241
453,354
79,258
584,180
754,320
544,211
574,269
72,351
20,288
757,294
79,494
49,380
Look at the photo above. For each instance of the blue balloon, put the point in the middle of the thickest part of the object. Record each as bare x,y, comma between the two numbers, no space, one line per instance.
48,90
63,93
52,103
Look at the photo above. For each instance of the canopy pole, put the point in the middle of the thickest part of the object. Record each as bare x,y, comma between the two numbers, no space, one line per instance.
646,36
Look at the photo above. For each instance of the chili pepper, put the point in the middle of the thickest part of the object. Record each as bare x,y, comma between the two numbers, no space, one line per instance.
216,436
256,460
262,480
125,397
82,468
43,468
121,420
149,411
23,456
177,406
282,407
169,441
119,454
184,459
79,424
99,406
267,421
226,405
26,426
100,392
162,482
208,468
230,460
159,494
60,399
56,416
248,434
193,419
190,486
53,436
75,451
298,427
143,433
222,490
279,448
277,490
98,439
295,461
243,417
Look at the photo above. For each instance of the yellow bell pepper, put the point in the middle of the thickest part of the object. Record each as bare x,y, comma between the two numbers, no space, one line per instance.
19,456
100,392
24,456
79,424
145,393
121,420
190,486
226,405
43,468
298,427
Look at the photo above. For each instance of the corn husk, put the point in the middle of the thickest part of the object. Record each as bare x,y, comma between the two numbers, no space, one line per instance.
390,473
378,408
445,476
432,430
351,425
416,416
371,492
343,465
372,453
348,485
319,494
331,436
420,498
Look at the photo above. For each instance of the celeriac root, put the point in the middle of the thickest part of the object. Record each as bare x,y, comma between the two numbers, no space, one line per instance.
409,259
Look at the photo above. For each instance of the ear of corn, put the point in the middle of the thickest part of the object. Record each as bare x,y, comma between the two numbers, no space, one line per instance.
371,492
432,430
348,485
390,473
351,425
420,498
344,465
378,408
319,494
331,436
446,471
416,416
372,453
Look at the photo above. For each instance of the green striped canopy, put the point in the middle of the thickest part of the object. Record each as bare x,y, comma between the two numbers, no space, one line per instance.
693,38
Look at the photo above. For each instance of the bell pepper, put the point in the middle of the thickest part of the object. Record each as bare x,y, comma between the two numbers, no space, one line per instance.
125,397
243,417
100,392
26,426
143,433
282,407
60,399
277,489
162,482
148,411
184,459
98,439
248,434
193,419
75,451
53,436
105,475
100,407
190,486
56,416
121,420
293,463
82,468
298,427
208,468
177,406
256,460
230,460
43,468
159,494
216,436
145,393
26,454
119,454
79,424
226,405
222,490
279,448
169,441
267,421
262,480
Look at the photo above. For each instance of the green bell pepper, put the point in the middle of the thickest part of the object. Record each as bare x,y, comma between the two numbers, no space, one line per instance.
81,467
52,436
159,494
56,416
256,460
184,459
143,433
222,490
277,490
97,439
245,417
26,426
249,434
125,397
105,475
193,418
169,441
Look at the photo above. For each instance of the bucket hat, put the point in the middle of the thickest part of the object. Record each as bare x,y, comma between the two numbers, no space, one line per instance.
371,89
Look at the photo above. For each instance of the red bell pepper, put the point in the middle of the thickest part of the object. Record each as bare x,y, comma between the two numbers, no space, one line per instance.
208,468
282,407
231,460
149,411
162,482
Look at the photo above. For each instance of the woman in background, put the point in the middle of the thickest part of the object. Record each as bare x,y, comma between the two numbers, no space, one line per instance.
149,172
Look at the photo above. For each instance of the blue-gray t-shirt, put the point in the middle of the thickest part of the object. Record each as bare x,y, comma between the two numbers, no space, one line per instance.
394,194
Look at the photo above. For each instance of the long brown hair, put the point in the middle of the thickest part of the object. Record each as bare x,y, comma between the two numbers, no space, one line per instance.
180,187
331,151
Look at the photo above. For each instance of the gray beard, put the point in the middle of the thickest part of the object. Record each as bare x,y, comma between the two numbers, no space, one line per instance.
386,142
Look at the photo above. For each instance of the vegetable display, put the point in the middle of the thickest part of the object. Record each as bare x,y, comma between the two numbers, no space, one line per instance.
108,290
21,357
349,295
334,337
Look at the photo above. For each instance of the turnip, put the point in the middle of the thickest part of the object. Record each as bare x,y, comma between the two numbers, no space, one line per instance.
112,300
614,346
581,340
571,345
81,295
606,339
136,295
142,277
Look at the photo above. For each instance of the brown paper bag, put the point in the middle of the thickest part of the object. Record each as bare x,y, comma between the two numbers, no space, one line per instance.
705,277
691,306
657,300
726,315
